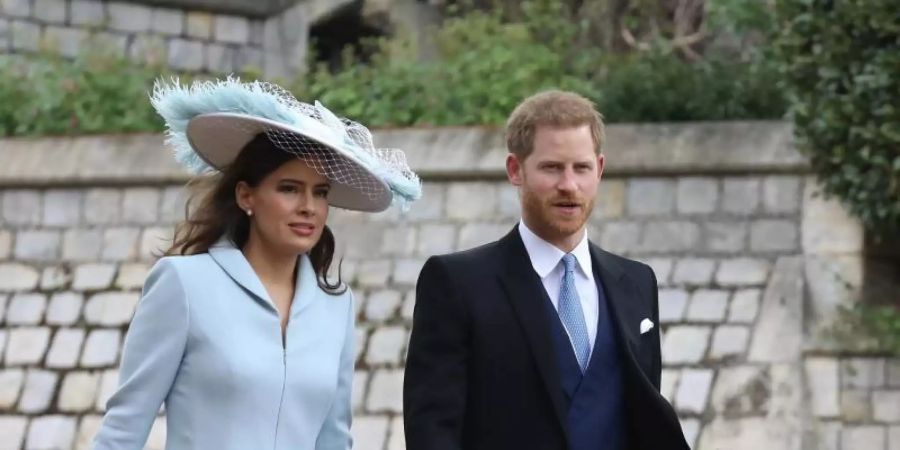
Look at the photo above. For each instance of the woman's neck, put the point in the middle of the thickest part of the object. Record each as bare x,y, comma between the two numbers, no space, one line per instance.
270,265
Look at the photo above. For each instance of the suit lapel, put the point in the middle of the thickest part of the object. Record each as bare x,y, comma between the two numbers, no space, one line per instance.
527,296
619,295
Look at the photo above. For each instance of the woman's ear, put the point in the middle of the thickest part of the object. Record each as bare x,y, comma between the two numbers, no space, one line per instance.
243,194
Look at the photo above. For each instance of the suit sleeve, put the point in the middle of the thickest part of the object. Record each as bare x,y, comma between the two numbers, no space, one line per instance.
335,432
434,389
656,376
152,354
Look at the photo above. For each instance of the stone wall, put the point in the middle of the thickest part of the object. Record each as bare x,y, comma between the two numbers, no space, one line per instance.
751,262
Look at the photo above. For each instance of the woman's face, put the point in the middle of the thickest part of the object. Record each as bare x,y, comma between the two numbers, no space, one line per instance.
289,207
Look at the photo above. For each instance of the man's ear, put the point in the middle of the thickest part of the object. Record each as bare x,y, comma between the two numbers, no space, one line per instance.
514,169
601,163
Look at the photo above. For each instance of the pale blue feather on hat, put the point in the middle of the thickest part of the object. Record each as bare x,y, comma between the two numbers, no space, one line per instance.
178,104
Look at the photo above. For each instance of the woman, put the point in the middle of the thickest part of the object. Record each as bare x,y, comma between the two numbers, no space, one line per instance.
239,332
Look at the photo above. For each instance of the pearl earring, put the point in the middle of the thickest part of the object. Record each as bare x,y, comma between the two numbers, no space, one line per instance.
249,212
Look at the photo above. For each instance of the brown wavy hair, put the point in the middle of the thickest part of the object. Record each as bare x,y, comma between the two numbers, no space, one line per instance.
217,213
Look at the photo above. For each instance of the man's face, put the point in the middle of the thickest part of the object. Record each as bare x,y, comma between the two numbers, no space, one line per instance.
558,182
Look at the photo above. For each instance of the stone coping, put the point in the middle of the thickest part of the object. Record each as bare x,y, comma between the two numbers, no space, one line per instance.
249,8
435,153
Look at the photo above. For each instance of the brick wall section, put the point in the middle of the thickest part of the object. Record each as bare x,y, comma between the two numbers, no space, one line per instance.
731,252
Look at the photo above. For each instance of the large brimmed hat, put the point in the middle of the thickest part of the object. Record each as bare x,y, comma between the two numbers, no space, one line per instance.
209,123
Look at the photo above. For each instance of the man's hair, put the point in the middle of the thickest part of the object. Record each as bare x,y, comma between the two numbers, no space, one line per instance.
551,108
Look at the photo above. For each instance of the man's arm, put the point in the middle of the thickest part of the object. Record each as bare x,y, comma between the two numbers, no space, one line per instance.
656,376
434,387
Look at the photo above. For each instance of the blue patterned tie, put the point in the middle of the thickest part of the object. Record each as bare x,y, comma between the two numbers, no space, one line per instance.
571,314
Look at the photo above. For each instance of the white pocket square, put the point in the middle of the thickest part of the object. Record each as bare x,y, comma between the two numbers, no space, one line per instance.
646,325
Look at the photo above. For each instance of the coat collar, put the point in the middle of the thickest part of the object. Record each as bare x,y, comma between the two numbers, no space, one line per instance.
232,261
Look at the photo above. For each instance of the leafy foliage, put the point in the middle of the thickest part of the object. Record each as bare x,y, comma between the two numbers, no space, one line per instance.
841,64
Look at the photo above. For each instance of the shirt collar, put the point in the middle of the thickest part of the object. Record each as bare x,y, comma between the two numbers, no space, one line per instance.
546,256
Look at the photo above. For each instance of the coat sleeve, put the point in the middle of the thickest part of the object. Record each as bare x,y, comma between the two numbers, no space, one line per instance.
335,432
152,354
435,384
656,376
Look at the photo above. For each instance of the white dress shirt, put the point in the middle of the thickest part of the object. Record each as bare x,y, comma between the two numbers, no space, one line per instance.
546,259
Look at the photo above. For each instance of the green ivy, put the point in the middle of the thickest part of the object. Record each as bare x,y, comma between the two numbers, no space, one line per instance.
841,65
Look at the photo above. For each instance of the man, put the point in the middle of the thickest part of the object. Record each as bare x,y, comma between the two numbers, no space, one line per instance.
540,340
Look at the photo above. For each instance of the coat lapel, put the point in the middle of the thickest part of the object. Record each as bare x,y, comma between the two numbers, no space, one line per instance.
527,296
233,262
618,293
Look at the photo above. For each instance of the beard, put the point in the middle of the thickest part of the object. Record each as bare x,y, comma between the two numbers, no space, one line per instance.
547,223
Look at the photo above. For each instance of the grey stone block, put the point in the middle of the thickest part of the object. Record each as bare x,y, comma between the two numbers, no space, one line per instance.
109,382
725,237
51,433
386,345
11,381
112,43
17,277
186,55
6,239
863,437
774,236
220,58
886,406
672,305
257,32
374,273
508,204
744,306
781,194
232,29
12,431
740,196
37,245
140,206
40,385
16,8
154,242
409,305
26,309
382,305
697,195
693,271
621,237
436,239
372,430
693,390
856,405
406,271
741,390
651,197
729,342
172,205
88,427
149,50
893,372
26,36
668,382
78,391
131,276
26,345
475,234
93,277
469,201
360,384
120,244
62,207
65,348
610,200
662,268
670,236
50,11
691,429
685,344
708,305
386,392
167,21
81,245
111,308
87,12
129,17
65,308
101,348
894,437
249,58
822,378
397,440
742,272
55,277
779,334
398,241
3,302
102,206
867,373
21,206
199,25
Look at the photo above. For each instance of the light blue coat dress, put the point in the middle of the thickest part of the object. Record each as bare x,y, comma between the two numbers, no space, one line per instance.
206,340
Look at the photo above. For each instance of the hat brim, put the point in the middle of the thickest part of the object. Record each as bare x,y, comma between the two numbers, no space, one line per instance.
218,138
